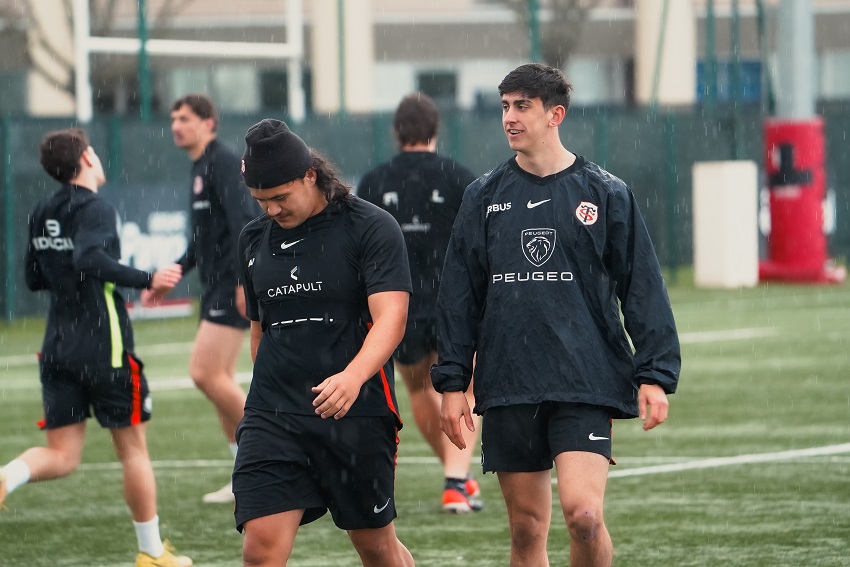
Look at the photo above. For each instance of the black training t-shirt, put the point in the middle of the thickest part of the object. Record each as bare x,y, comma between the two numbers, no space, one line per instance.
423,192
309,288
73,252
221,207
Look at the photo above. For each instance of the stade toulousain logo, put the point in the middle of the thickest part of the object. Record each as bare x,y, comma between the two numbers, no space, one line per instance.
198,185
587,213
538,244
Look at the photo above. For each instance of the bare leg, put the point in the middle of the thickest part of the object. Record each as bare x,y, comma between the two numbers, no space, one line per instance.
425,403
269,540
380,548
528,497
62,455
213,369
139,483
581,487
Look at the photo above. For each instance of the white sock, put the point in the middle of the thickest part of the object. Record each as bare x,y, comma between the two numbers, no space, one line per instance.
233,448
17,474
147,533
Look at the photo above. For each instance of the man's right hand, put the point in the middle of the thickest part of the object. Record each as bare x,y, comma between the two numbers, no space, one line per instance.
453,408
162,282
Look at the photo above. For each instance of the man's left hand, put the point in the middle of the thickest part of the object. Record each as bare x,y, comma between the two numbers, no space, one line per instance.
653,396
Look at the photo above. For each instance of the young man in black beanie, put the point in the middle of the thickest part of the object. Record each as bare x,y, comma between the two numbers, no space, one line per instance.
422,190
327,284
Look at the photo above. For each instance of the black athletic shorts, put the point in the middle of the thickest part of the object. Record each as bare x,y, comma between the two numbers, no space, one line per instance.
528,437
118,396
218,305
420,338
292,462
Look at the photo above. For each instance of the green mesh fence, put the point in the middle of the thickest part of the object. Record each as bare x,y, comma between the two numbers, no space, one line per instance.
652,151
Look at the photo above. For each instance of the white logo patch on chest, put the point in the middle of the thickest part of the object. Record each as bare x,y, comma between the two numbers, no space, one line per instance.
538,244
587,213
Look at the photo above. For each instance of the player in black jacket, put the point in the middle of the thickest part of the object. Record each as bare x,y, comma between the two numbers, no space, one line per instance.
220,208
423,192
87,361
327,287
547,250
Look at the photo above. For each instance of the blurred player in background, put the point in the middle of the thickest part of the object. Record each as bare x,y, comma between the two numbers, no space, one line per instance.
87,362
423,191
220,207
327,286
547,250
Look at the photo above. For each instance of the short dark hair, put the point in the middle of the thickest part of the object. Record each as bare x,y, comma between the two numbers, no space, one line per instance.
536,80
200,105
61,151
416,120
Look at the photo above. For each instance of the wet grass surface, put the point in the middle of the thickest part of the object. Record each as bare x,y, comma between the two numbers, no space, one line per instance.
782,387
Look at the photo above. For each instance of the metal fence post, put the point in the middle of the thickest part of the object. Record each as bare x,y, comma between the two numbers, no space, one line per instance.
671,179
9,218
600,138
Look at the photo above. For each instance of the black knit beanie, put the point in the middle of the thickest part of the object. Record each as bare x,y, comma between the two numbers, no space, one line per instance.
273,155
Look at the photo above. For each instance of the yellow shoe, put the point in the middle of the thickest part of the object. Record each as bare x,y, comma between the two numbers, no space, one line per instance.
167,559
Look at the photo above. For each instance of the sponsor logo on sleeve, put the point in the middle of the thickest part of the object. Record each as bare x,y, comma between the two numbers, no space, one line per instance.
497,208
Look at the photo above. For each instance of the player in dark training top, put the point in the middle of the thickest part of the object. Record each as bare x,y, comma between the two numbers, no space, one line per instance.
220,208
423,191
327,287
87,363
547,251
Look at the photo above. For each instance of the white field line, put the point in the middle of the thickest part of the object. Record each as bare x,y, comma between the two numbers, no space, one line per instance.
677,465
184,382
181,348
730,335
165,348
733,461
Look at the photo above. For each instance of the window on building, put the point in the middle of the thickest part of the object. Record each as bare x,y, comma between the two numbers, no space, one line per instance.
439,85
274,89
750,89
13,86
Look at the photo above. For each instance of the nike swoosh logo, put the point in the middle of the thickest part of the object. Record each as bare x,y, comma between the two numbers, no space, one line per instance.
593,437
286,245
531,205
381,509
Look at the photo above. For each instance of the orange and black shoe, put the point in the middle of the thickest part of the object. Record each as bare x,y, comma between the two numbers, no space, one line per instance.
462,496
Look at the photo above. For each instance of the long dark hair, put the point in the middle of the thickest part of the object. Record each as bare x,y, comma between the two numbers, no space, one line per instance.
328,179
